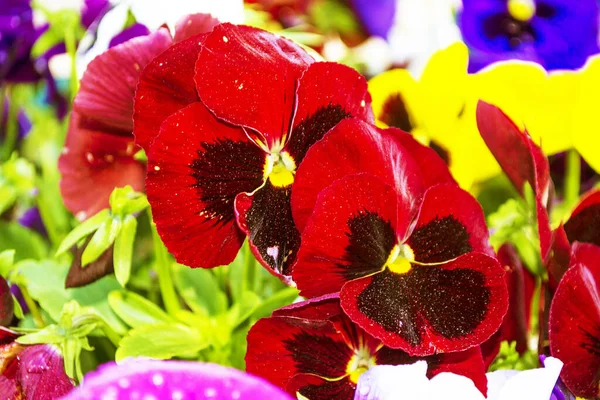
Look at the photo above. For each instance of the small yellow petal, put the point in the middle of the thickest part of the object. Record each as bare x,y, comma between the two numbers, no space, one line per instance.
586,118
393,83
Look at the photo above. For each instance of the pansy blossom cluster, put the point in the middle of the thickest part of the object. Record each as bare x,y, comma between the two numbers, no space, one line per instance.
247,136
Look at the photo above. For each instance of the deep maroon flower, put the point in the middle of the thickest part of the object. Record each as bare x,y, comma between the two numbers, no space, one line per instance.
159,379
574,327
241,107
411,259
521,160
313,348
99,150
6,303
33,372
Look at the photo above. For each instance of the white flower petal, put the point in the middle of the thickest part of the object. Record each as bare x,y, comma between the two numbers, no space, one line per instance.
387,382
533,384
449,386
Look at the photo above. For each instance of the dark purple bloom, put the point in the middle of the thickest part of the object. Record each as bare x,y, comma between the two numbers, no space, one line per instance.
32,219
17,36
131,32
153,379
376,16
23,123
92,11
558,34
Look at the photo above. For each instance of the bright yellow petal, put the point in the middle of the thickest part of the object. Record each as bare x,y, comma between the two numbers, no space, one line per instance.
392,83
586,119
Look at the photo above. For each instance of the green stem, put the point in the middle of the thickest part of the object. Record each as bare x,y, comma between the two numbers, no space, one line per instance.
250,267
572,178
163,270
33,308
10,138
71,45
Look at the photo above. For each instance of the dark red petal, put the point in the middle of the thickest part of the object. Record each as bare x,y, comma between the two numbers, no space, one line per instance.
196,167
352,147
194,24
350,235
522,161
80,276
41,373
92,164
248,77
166,86
560,255
574,328
450,223
108,84
584,224
6,303
327,93
281,347
265,216
467,363
442,308
7,336
315,388
433,168
516,324
320,308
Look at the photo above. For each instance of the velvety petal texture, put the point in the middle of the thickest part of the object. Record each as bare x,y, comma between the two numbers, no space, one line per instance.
574,326
196,168
146,378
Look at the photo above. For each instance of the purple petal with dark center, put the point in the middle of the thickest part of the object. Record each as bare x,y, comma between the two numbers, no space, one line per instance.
146,378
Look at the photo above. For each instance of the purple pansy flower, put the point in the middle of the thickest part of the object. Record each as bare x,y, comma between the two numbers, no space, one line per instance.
376,16
142,378
558,34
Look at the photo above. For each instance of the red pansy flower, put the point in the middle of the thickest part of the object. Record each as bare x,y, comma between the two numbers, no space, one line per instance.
574,328
99,150
582,226
31,372
414,266
226,119
521,160
313,348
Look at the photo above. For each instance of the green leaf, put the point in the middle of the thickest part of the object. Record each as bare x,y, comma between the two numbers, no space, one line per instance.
25,242
18,310
242,310
7,258
125,201
199,288
136,310
123,250
101,241
46,280
49,335
162,341
82,230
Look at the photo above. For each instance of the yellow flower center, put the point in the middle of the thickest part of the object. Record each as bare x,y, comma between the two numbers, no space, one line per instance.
280,168
360,362
521,10
400,258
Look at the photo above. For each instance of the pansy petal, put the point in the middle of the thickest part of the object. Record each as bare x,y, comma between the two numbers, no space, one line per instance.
431,308
324,308
231,79
6,303
107,96
450,223
92,164
265,216
384,382
522,161
42,374
159,379
574,327
433,168
316,388
560,255
350,235
196,167
508,384
281,347
584,223
194,24
165,86
327,93
353,147
468,363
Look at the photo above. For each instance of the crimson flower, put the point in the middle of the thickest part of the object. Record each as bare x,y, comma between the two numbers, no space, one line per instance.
407,247
33,372
226,119
99,150
574,326
314,349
